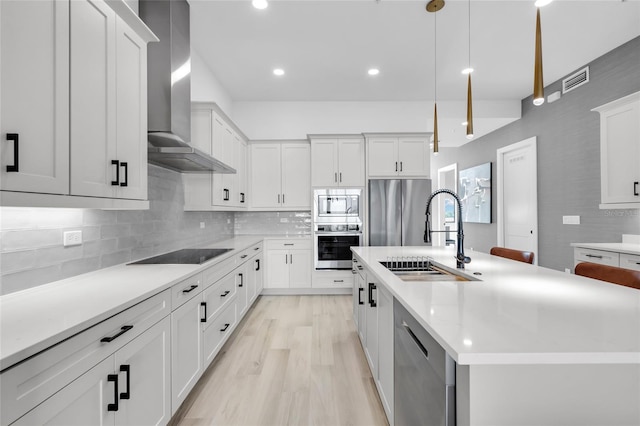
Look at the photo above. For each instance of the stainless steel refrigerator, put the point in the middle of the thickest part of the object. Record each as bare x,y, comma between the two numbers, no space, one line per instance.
397,211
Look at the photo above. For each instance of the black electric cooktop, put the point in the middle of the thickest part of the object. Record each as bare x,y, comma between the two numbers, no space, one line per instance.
184,256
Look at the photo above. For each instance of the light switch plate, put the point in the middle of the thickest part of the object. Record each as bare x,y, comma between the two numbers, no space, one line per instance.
571,220
72,238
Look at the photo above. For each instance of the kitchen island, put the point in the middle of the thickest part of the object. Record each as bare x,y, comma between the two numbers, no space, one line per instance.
532,345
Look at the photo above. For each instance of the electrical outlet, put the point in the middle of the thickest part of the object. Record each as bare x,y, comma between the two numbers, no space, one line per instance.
202,225
567,270
571,220
72,238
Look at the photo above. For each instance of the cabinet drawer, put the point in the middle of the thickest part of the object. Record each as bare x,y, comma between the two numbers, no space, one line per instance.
345,281
185,290
219,295
218,331
596,256
630,261
29,383
214,273
289,244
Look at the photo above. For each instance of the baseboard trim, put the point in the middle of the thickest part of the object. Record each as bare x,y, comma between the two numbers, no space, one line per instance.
303,291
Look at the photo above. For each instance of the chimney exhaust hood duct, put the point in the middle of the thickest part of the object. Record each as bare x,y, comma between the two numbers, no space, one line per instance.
169,90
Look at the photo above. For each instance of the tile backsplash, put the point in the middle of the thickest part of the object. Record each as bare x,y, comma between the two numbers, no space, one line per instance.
31,250
273,223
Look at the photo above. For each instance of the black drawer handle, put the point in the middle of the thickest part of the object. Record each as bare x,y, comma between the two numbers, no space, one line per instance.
190,289
360,290
289,244
225,293
338,281
126,369
242,197
16,157
123,330
117,181
594,256
635,184
225,195
372,302
126,173
205,311
225,327
243,256
241,280
257,264
256,248
113,378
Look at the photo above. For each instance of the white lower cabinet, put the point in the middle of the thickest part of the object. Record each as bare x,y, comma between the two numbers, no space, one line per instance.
217,331
384,379
371,331
131,387
288,264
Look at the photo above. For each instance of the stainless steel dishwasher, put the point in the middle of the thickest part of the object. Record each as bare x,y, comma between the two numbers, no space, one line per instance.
425,375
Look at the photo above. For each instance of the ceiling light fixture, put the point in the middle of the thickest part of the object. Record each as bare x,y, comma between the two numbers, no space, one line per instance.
540,3
260,4
278,71
538,85
373,71
469,101
434,6
467,70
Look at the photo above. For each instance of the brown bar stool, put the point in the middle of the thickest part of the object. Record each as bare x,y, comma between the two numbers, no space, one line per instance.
520,256
612,274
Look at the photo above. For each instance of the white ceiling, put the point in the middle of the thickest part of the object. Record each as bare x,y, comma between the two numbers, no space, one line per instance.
326,47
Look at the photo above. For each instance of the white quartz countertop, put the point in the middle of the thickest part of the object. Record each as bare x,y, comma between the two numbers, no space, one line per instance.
37,318
628,248
518,313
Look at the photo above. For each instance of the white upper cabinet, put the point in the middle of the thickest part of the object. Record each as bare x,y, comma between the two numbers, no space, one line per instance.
34,89
620,152
280,178
77,102
215,134
337,162
398,156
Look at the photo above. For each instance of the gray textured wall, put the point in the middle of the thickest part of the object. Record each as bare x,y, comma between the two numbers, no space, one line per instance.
568,136
31,251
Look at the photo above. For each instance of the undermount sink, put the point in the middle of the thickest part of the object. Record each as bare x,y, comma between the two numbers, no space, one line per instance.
420,270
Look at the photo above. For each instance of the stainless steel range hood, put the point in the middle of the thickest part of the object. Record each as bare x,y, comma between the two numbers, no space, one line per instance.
169,90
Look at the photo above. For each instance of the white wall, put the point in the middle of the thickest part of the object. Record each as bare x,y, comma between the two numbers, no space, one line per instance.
205,86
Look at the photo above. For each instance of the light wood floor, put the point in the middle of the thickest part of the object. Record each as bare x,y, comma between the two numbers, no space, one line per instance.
294,360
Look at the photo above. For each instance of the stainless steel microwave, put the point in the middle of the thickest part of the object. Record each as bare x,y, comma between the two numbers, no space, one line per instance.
331,205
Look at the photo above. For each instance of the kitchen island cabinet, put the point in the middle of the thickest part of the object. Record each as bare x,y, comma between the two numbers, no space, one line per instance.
531,345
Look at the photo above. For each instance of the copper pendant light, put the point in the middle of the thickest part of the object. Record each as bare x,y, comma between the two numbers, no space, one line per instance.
538,85
469,101
433,6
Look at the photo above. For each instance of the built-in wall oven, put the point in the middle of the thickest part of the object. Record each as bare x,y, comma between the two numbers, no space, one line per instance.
337,226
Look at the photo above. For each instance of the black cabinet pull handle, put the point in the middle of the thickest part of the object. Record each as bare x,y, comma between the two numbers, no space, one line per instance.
243,256
205,311
16,156
360,290
282,198
256,248
594,256
340,176
372,302
123,330
117,181
225,293
225,327
126,173
113,378
241,280
278,198
335,176
288,244
396,166
126,369
338,281
635,184
190,289
242,197
401,166
257,264
225,195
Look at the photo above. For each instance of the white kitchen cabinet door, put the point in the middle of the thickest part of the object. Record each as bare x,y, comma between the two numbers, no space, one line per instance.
186,350
242,290
241,190
385,350
95,168
217,331
258,270
296,177
620,151
383,157
277,269
324,167
83,402
265,175
351,162
300,269
34,82
361,280
413,157
144,369
371,346
131,111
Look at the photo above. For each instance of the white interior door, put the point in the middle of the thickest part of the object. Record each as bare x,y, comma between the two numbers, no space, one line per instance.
518,196
447,179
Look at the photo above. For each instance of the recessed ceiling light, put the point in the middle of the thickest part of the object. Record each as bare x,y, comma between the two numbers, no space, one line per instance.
373,71
278,71
260,4
540,3
467,70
